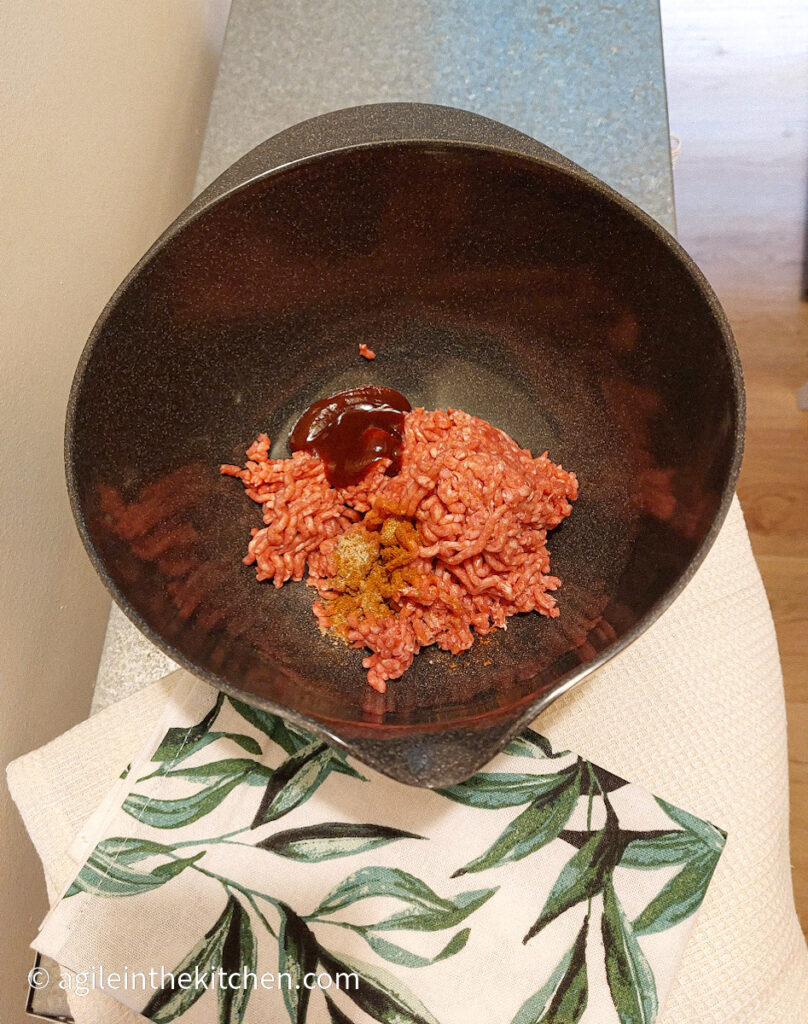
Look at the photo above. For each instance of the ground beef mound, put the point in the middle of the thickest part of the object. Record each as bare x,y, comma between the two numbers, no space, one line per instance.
480,507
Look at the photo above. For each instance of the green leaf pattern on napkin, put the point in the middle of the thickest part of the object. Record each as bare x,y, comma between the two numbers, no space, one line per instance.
564,996
206,956
541,804
109,869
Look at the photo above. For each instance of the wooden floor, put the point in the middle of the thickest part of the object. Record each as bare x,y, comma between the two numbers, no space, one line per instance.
738,98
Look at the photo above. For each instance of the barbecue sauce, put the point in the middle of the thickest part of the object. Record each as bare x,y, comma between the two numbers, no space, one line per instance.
352,431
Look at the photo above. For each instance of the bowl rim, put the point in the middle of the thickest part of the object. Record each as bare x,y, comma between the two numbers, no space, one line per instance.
525,709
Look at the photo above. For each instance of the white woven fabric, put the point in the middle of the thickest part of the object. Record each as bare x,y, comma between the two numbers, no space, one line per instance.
58,787
693,711
459,927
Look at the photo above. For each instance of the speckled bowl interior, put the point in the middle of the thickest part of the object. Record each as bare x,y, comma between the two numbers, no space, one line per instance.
489,274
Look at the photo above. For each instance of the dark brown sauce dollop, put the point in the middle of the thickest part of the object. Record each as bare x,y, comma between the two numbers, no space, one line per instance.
352,431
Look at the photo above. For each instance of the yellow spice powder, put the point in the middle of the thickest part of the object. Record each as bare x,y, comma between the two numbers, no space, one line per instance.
372,568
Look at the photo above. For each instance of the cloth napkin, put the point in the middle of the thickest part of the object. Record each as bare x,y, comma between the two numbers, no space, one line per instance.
543,889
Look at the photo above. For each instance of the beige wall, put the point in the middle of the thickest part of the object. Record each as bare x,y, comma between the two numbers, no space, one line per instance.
102,108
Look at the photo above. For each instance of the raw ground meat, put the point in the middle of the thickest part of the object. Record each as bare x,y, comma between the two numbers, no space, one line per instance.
481,506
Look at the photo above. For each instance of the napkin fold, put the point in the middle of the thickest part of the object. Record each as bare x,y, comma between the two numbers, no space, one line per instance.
241,869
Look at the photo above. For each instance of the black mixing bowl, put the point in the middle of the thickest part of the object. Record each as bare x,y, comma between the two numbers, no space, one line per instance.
488,273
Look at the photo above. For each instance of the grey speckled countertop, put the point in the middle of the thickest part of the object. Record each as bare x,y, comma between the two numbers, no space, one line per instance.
584,76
